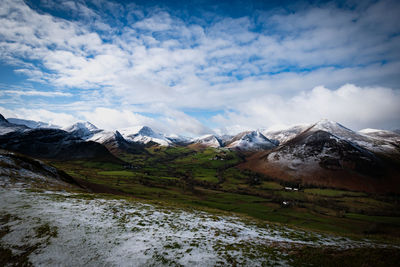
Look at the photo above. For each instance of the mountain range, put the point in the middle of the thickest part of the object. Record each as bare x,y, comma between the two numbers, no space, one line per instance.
323,153
372,139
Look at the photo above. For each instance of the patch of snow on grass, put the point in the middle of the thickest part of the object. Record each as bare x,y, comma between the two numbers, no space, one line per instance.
76,231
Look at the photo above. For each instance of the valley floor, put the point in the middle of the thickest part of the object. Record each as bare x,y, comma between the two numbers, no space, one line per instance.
54,228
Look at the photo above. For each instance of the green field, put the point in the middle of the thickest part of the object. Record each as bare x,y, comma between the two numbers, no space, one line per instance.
209,179
332,192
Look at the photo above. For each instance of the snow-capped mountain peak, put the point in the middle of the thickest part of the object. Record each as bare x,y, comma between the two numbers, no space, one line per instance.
145,130
284,135
83,129
251,140
364,140
331,127
136,130
81,125
144,134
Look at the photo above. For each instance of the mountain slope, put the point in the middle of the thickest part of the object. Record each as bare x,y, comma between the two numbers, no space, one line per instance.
372,144
321,158
23,170
382,135
53,144
328,151
285,135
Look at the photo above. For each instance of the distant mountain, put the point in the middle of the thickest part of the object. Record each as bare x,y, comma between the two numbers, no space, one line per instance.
250,140
329,154
178,139
32,124
144,135
367,141
116,143
225,138
372,144
208,140
8,127
382,134
133,140
82,129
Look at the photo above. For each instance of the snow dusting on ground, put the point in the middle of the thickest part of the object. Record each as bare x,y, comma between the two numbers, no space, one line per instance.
71,229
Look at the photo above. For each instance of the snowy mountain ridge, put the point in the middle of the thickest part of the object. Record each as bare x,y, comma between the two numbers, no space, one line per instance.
371,139
33,124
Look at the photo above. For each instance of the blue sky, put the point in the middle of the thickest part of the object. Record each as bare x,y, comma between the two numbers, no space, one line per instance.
194,67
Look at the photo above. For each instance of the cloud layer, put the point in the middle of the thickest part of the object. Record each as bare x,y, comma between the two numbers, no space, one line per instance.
349,105
116,63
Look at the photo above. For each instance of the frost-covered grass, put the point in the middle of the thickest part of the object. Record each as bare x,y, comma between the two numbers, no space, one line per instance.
71,229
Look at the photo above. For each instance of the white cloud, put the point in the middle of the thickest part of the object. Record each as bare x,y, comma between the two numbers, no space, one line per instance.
234,64
171,121
34,93
55,118
353,106
111,119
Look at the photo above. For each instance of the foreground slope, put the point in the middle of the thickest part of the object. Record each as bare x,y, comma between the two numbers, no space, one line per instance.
16,168
43,228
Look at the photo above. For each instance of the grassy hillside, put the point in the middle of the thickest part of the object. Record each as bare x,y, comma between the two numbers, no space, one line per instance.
208,178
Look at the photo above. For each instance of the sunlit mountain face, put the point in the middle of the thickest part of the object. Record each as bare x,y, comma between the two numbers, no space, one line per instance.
199,67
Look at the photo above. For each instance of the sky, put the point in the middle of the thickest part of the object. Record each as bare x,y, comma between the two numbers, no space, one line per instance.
197,67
